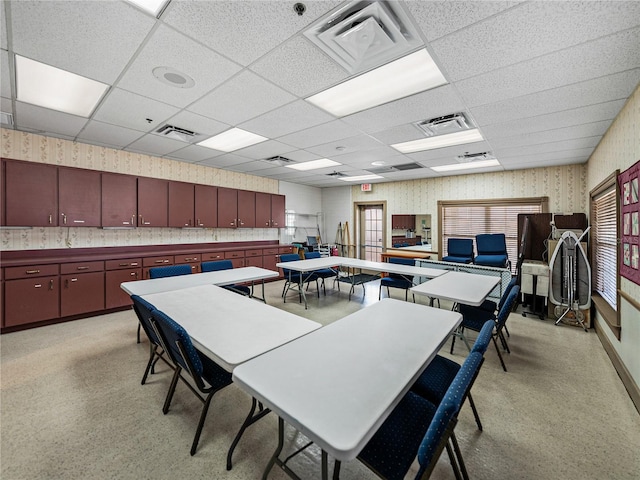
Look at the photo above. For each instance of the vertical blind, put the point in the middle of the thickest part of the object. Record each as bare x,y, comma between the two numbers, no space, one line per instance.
604,245
468,219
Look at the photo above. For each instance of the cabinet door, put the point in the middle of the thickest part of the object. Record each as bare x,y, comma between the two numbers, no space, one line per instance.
227,207
31,300
79,197
31,191
181,204
206,206
246,209
81,293
153,196
263,210
119,200
277,211
114,296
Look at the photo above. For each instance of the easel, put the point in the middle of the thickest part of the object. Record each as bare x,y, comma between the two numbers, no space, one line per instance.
343,240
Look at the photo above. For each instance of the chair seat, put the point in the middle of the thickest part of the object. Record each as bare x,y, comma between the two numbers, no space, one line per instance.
394,447
396,282
452,258
216,376
491,260
433,383
475,317
242,289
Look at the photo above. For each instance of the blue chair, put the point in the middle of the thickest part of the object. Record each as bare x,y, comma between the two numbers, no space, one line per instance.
475,318
398,281
225,265
144,312
459,250
418,428
492,307
433,383
322,273
207,376
292,277
169,271
492,250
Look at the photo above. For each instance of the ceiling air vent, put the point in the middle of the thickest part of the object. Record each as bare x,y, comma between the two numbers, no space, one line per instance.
6,119
279,161
365,34
456,122
395,168
475,157
176,133
336,174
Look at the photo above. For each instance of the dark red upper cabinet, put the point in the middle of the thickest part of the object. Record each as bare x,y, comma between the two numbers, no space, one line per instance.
246,209
153,202
277,211
79,197
31,193
181,204
263,210
119,200
227,207
206,206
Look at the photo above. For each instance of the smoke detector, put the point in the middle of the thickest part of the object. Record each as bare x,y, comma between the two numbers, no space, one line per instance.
456,122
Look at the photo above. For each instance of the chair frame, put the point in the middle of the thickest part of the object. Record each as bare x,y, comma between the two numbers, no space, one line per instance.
393,277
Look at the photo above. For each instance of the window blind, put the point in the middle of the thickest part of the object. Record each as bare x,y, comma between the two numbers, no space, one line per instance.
604,232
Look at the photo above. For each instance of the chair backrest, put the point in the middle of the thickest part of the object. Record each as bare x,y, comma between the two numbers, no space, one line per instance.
216,265
504,312
169,271
289,257
144,311
460,247
484,337
402,261
491,244
444,419
507,290
177,343
312,255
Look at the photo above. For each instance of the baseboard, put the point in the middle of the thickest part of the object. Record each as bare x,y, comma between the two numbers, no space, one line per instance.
623,373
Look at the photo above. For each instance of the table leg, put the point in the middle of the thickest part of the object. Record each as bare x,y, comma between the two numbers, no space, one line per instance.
250,420
276,454
325,468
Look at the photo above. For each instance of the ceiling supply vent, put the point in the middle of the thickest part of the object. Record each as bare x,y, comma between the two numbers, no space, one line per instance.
365,34
336,174
475,157
395,168
456,122
176,133
279,161
6,119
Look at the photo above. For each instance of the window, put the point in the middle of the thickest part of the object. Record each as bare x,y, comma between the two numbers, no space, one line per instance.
604,249
468,218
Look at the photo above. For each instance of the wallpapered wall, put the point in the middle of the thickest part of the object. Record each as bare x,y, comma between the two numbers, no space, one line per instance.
566,187
37,148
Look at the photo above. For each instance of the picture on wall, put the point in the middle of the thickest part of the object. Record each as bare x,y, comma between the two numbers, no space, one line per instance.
628,184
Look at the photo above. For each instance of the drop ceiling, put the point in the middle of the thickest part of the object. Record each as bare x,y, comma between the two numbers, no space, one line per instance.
542,81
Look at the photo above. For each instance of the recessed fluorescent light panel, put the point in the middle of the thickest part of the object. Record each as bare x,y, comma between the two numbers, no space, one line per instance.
467,166
411,74
232,140
154,7
50,87
312,165
360,178
440,141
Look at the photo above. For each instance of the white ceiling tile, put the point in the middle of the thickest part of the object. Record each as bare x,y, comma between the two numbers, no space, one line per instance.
197,123
368,155
168,48
240,29
421,106
347,145
330,131
224,161
290,118
529,30
5,83
596,129
194,153
93,39
399,134
241,98
156,145
3,30
258,167
438,18
605,56
5,105
48,121
266,149
301,156
599,90
561,146
448,153
130,110
107,134
300,68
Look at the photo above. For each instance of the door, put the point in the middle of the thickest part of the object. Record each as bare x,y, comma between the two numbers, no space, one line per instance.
119,200
31,191
206,206
181,204
263,210
246,209
370,232
227,207
153,201
79,197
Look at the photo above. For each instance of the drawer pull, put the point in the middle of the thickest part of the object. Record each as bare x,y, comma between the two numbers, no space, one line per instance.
133,274
50,284
83,268
74,279
31,272
38,285
78,221
162,261
123,264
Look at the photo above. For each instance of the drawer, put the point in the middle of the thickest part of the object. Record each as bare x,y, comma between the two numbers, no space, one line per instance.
122,264
211,256
270,251
157,261
253,253
237,254
81,267
285,249
12,273
180,259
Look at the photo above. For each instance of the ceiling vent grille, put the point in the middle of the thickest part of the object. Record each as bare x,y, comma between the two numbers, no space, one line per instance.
6,119
336,174
475,157
456,122
395,168
279,161
177,133
365,34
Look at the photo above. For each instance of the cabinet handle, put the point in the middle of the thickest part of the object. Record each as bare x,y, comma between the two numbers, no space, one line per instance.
83,268
267,224
78,221
162,261
133,220
38,285
64,218
31,272
142,222
50,219
123,265
50,284
134,274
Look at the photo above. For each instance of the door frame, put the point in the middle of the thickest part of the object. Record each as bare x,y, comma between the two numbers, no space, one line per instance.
357,227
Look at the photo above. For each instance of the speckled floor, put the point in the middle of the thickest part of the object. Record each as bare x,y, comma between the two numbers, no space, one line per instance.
73,408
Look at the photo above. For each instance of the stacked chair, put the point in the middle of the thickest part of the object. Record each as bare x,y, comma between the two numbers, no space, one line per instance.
459,250
321,274
492,250
225,265
398,281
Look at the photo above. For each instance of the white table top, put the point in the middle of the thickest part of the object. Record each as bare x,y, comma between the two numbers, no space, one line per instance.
459,287
227,327
221,277
387,267
339,383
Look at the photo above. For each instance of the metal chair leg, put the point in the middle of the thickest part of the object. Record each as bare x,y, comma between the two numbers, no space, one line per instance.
504,367
203,415
172,389
475,412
